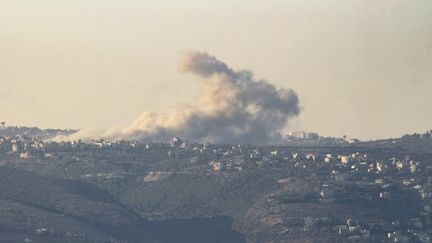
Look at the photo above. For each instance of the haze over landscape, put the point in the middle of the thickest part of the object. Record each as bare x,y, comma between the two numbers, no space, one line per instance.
144,121
360,68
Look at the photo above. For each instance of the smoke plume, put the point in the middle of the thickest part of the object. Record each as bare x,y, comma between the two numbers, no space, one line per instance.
233,107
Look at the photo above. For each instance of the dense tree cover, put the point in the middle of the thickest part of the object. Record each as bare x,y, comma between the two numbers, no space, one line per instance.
73,211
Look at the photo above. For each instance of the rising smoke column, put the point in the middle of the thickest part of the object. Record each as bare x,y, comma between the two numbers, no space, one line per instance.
234,107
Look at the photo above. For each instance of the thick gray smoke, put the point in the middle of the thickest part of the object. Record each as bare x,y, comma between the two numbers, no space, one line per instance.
233,107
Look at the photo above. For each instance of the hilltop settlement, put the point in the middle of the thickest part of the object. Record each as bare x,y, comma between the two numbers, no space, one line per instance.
309,189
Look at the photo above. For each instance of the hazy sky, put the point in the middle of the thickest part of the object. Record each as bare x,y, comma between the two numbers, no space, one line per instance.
360,67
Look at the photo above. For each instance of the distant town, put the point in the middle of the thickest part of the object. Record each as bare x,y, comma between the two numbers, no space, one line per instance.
336,188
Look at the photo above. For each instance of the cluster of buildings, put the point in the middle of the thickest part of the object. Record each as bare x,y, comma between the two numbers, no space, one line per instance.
383,176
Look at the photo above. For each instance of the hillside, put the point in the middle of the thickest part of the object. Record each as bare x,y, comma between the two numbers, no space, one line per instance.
46,209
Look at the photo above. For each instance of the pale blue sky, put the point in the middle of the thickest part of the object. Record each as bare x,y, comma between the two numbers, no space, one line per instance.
361,67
